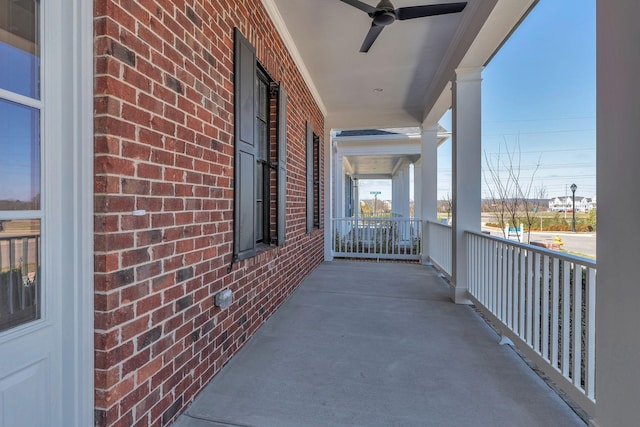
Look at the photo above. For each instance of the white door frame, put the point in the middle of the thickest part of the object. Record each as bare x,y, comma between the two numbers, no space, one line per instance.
71,62
78,345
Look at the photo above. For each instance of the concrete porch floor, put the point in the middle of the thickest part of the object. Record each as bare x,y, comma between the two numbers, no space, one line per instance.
376,344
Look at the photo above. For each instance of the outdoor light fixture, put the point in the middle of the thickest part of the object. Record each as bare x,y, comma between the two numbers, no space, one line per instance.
223,299
573,223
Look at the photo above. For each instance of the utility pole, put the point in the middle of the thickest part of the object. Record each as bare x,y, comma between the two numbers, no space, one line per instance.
573,223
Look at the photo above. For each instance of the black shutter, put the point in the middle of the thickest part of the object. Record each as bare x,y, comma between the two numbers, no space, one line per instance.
244,244
309,178
282,165
318,182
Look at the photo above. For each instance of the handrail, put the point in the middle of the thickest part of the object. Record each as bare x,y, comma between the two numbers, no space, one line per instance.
544,251
544,302
439,240
377,238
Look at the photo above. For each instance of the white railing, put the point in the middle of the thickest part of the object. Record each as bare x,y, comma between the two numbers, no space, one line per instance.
19,277
440,246
544,302
378,238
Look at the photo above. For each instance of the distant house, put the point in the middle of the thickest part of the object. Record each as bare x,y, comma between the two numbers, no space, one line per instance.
565,204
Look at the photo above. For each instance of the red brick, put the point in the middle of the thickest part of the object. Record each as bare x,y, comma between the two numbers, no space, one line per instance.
164,143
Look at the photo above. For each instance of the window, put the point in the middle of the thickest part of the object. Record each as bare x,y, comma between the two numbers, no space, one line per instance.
260,154
21,110
314,220
263,163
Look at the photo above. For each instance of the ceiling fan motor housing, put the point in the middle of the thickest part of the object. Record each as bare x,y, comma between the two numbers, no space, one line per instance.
382,18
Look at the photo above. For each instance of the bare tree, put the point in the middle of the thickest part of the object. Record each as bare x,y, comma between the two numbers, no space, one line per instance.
532,207
510,199
499,188
448,206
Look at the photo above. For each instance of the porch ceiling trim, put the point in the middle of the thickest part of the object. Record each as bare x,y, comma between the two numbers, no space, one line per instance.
281,27
380,147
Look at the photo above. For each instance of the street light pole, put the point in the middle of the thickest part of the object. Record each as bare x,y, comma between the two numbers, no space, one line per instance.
375,202
573,191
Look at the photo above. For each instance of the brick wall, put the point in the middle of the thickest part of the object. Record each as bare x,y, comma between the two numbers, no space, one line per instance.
164,143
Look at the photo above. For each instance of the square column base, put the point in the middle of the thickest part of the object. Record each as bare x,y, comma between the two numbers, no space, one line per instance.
459,295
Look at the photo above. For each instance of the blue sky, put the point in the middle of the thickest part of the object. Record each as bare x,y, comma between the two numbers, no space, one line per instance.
19,127
539,93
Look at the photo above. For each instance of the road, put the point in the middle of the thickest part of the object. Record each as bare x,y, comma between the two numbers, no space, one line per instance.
581,244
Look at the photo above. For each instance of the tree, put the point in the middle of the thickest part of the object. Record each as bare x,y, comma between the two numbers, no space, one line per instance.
448,205
511,200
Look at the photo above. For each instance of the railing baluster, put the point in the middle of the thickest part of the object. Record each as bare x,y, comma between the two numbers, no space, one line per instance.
523,288
12,266
502,291
577,324
536,301
529,336
590,363
566,317
508,284
486,244
494,276
482,264
505,283
24,272
516,289
545,306
555,307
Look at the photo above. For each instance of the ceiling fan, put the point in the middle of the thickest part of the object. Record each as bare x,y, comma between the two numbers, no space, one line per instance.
385,14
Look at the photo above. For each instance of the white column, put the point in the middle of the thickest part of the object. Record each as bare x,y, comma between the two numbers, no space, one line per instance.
428,188
467,175
618,247
338,197
400,185
329,171
356,198
417,189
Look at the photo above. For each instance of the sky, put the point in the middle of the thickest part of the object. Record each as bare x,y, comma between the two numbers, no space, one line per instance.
19,127
538,100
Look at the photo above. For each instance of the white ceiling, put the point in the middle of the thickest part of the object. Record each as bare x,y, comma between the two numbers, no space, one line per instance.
411,61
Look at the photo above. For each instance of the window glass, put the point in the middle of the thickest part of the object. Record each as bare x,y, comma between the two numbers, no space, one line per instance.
262,158
19,47
19,157
19,272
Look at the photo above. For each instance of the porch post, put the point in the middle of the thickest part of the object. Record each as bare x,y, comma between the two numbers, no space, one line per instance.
428,185
356,199
329,170
618,248
338,179
417,189
400,191
467,175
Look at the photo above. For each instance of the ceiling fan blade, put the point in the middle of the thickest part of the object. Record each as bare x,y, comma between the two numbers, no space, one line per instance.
371,37
412,12
360,5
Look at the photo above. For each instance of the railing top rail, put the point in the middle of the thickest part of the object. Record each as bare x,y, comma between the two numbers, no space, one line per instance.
571,258
19,236
439,224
